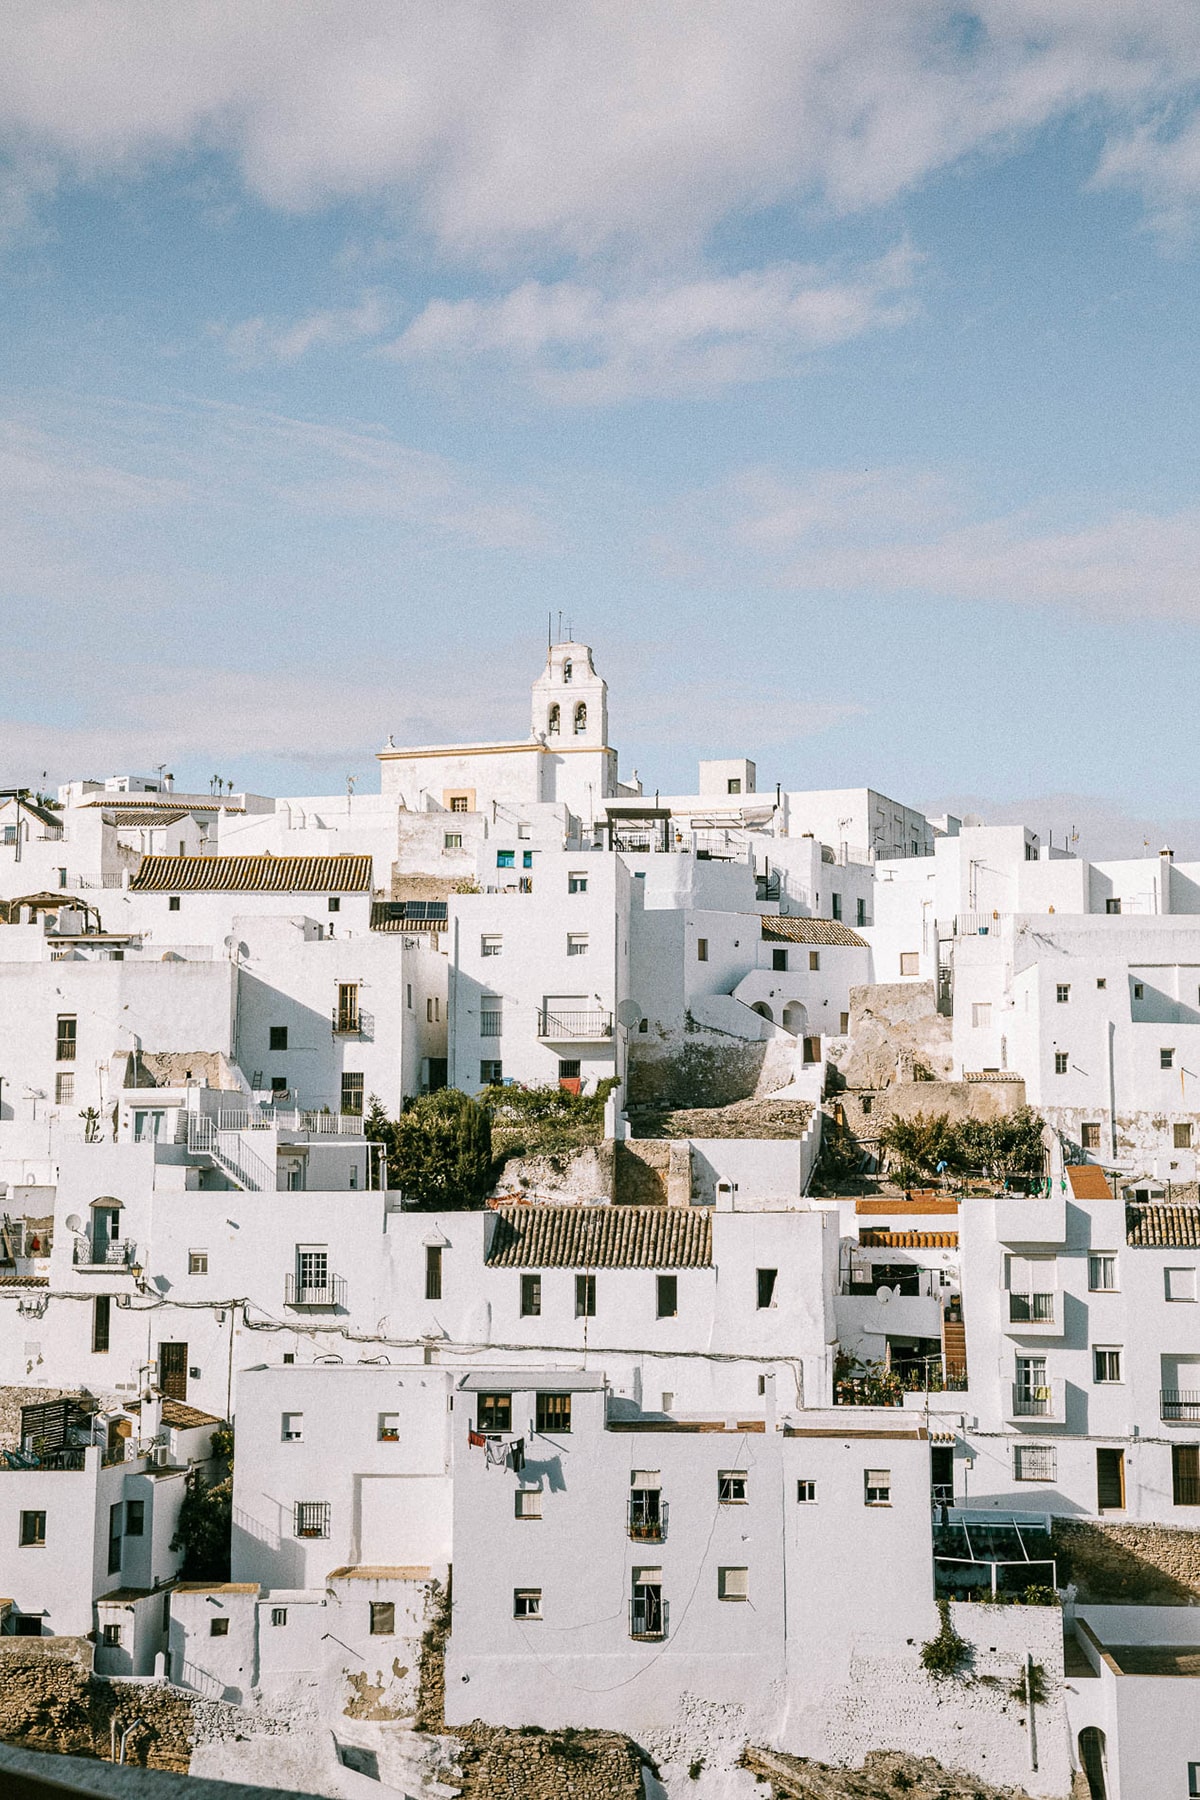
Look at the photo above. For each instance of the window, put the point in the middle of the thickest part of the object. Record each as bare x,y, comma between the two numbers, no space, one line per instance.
531,1296
491,945
910,962
491,1016
666,1301
1182,1135
335,903
568,1069
580,719
577,882
585,1296
115,1521
577,943
1193,1780
135,1518
506,859
528,1503
64,1088
491,1072
312,1518
1035,1462
279,1084
877,1487
292,1428
66,1036
568,670
1110,1480
389,1428
814,959
806,1492
860,912
1101,981
408,1000
1166,1059
527,1603
868,1103
452,840
277,1037
218,1628
458,803
1180,1284
494,1412
429,1012
765,1280
279,1615
1139,990
526,863
1060,1062
33,1530
553,1413
701,949
1185,1474
173,903
733,785
981,1014
836,905
112,1637
524,829
811,1050
383,1618
731,1487
733,1584
1089,1136
1102,1272
101,1322
1112,906
197,1262
352,1092
1106,1365
779,961
1062,992
433,1271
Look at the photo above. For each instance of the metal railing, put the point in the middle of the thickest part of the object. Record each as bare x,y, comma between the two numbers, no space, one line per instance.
114,1253
1035,1402
574,1027
317,1123
330,1292
352,1022
1178,1403
68,1457
235,1158
646,1526
648,1618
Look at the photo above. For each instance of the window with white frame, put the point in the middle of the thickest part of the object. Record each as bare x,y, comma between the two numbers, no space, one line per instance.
1102,1272
279,1615
731,1487
1180,1283
292,1428
197,1262
527,1603
1166,1059
577,943
877,1487
389,1428
1106,1364
1032,1281
64,1088
577,881
806,1492
1035,1462
491,1016
491,944
452,840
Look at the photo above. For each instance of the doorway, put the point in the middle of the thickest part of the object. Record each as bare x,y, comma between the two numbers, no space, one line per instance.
1092,1760
1110,1481
173,1371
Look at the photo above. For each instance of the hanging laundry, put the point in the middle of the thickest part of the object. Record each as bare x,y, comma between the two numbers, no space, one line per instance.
497,1453
517,1451
476,1439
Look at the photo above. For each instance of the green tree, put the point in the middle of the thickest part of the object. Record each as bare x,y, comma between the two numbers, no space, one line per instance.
442,1152
205,1522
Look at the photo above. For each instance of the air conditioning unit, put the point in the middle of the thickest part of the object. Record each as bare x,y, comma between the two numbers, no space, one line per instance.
160,1455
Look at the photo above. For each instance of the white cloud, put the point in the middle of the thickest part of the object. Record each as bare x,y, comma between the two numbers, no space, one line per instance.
263,339
580,344
577,126
911,532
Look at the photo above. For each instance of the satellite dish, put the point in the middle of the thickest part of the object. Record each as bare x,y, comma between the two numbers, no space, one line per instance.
74,1222
884,1294
629,1015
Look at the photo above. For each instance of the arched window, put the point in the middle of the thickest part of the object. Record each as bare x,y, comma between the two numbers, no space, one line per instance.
567,670
580,719
1093,1759
552,721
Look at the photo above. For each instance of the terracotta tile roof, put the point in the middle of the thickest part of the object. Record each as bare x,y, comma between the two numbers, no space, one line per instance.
253,875
1088,1182
810,931
601,1237
918,1203
1163,1227
24,1281
146,815
908,1240
179,1415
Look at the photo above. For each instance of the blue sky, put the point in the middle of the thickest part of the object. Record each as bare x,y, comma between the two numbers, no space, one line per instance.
831,367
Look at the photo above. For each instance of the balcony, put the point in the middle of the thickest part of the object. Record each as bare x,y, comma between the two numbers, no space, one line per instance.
331,1293
648,1521
1046,1403
649,1617
1032,1315
68,1458
1179,1404
352,1021
574,1027
111,1253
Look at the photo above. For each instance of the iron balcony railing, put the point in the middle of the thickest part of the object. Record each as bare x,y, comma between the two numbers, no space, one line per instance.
648,1521
352,1021
116,1253
649,1616
574,1027
330,1292
1176,1403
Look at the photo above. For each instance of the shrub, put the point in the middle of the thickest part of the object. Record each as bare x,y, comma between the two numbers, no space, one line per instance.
546,1120
945,1655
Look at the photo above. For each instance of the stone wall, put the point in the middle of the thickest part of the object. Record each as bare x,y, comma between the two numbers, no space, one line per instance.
1146,1565
641,1171
883,1772
896,1033
562,1176
496,1764
699,1066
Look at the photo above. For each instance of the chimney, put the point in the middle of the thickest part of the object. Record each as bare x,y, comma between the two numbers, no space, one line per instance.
1166,857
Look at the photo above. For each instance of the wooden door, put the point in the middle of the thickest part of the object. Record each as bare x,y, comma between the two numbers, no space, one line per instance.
173,1370
1110,1480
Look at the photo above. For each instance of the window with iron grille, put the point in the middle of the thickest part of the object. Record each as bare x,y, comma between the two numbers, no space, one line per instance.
65,1038
312,1518
352,1092
433,1271
553,1413
64,1088
1089,1136
1035,1462
491,1016
493,1412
